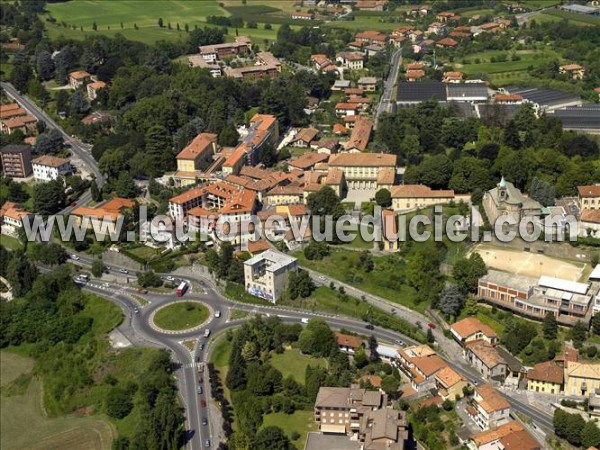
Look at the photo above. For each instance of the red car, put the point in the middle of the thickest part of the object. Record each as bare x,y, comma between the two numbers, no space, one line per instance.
431,325
200,380
203,403
73,204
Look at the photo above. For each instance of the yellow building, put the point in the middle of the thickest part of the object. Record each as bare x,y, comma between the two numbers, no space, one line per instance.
450,384
546,377
362,170
409,196
196,157
581,378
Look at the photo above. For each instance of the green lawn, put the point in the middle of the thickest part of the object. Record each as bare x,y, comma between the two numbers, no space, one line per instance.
24,423
220,359
539,4
181,316
10,242
574,18
292,362
365,23
301,421
144,252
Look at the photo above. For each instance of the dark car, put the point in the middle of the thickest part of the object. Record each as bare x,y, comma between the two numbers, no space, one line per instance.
369,327
200,380
73,204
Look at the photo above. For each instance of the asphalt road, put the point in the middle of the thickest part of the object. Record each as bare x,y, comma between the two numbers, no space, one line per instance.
138,329
83,151
388,85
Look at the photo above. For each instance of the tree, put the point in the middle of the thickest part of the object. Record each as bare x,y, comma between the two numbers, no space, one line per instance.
125,186
373,355
390,386
314,378
467,272
430,336
517,335
317,339
542,192
300,284
160,22
550,326
21,274
578,333
94,26
50,142
20,76
118,403
383,198
316,250
451,301
590,435
236,375
365,261
79,103
149,279
49,254
44,65
95,191
97,268
62,101
272,438
596,324
268,155
511,136
48,198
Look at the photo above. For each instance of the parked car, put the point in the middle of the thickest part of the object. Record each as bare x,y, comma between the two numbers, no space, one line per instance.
204,421
199,390
431,325
207,443
203,403
125,271
75,258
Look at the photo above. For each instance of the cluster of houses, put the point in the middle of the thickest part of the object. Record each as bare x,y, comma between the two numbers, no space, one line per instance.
13,117
217,60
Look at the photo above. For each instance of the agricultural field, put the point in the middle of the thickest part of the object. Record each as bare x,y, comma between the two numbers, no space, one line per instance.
26,425
121,17
374,23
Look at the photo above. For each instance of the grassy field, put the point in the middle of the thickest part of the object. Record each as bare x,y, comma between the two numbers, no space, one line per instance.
145,252
220,359
24,423
575,18
10,242
181,316
110,15
301,421
539,4
292,362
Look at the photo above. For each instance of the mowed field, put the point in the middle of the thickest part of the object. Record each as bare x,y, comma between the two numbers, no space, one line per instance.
529,264
24,425
109,14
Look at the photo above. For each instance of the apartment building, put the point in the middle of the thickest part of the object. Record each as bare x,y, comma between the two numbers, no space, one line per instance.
581,378
472,329
195,158
266,274
409,196
547,377
575,71
268,59
361,134
12,216
366,38
486,360
339,410
383,429
48,168
490,409
252,72
510,436
182,203
290,194
419,363
361,170
16,160
589,196
350,60
109,211
212,53
25,124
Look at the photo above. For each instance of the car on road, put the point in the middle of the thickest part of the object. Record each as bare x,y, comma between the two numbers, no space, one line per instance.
431,325
207,443
217,314
125,271
304,320
200,390
143,291
201,347
136,310
369,327
200,380
322,278
169,278
206,333
203,403
73,204
75,258
204,421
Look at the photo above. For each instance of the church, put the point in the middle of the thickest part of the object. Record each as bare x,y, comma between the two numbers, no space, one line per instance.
506,199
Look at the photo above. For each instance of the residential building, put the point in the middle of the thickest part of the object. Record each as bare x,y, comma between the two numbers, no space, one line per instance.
409,196
390,237
581,378
453,77
436,28
446,42
268,59
589,196
16,160
449,383
589,222
361,170
299,15
348,343
367,84
447,16
366,38
506,200
339,410
26,124
547,377
93,88
201,63
486,360
508,99
575,71
266,274
8,112
509,436
346,109
490,409
371,5
304,137
361,134
79,78
472,329
252,72
48,168
290,194
594,403
12,216
196,157
383,429
211,53
414,75
320,61
106,212
351,60
419,363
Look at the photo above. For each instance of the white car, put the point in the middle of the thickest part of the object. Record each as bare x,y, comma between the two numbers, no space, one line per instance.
322,278
75,257
169,278
217,314
124,271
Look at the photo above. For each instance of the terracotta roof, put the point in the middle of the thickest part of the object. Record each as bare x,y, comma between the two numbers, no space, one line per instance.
265,121
520,440
454,75
471,325
306,135
347,340
403,30
437,400
50,161
334,177
429,365
583,370
241,202
389,222
486,353
79,74
199,145
9,107
338,128
13,112
415,66
370,36
419,191
569,354
590,216
387,175
447,42
187,196
458,34
290,189
296,210
239,153
18,122
373,379
491,399
589,191
493,435
308,160
256,247
13,211
597,89
361,134
415,74
97,85
508,97
363,160
110,209
547,372
448,377
346,106
255,172
569,67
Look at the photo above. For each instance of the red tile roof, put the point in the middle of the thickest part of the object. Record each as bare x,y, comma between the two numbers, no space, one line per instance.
201,143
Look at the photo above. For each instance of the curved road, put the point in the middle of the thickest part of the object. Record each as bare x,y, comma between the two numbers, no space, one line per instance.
138,330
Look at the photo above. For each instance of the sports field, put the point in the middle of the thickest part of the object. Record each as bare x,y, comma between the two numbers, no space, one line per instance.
529,264
24,424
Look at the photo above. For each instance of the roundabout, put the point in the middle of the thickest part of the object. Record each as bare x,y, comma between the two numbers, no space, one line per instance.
180,317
